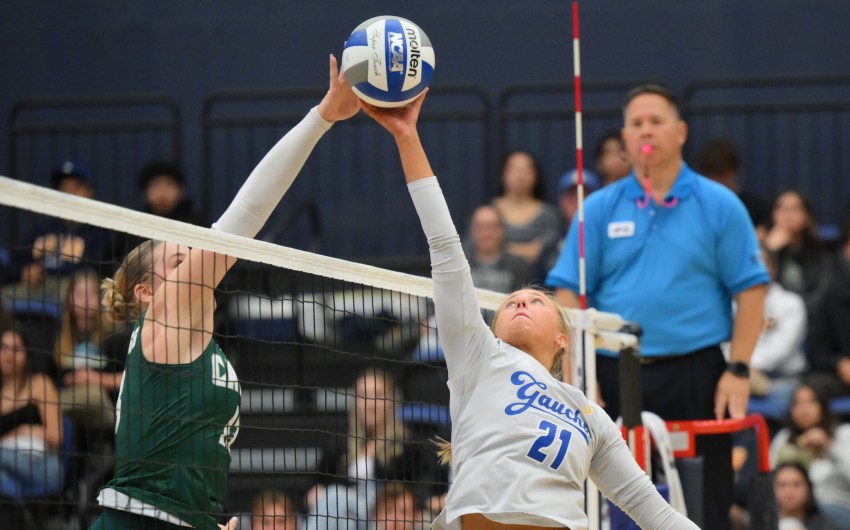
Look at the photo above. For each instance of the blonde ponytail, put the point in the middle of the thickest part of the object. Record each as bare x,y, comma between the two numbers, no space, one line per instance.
119,293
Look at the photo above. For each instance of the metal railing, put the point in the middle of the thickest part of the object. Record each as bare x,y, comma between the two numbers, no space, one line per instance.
790,131
354,175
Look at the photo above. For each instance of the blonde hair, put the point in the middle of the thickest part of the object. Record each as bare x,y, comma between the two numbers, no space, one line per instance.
389,441
68,331
119,296
444,447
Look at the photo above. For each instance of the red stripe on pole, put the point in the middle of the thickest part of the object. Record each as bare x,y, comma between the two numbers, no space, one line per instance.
579,159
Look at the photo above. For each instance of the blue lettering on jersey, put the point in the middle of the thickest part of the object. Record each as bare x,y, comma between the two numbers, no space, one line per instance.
531,396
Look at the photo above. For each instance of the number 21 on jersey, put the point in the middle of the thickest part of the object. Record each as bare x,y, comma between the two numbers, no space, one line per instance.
551,435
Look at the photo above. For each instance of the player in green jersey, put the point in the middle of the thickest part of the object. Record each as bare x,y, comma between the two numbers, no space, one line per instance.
178,409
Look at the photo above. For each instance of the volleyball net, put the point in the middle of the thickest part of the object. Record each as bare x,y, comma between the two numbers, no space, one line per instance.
343,383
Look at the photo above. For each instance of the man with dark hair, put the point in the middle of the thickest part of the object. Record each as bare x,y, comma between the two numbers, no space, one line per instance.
162,183
670,249
612,161
720,161
57,247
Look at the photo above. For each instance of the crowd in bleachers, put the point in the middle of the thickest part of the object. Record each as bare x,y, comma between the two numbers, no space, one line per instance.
70,358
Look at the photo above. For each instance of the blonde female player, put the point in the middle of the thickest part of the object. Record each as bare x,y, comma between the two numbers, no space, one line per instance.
523,442
178,409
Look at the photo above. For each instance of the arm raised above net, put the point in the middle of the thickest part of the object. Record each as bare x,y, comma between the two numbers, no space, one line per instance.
463,333
182,309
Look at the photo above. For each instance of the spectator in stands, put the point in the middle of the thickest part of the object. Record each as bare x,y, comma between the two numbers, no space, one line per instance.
273,510
829,340
568,204
612,160
396,509
795,501
720,161
59,246
568,191
813,438
30,424
531,224
803,264
492,266
778,359
379,450
88,378
163,184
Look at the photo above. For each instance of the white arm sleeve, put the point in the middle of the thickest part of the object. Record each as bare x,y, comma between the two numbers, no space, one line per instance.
463,333
264,188
615,472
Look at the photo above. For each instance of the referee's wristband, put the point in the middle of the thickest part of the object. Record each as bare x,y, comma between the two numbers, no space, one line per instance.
739,368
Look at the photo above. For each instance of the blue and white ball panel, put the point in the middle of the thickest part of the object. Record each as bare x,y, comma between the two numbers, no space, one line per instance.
419,56
388,61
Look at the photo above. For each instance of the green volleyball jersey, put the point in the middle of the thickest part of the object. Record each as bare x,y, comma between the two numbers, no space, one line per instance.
174,428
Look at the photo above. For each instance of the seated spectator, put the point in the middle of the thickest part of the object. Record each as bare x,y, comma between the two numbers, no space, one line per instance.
491,265
814,439
30,423
803,264
162,183
88,377
531,224
720,161
795,502
59,246
273,510
778,359
568,191
612,160
829,341
568,204
379,450
396,509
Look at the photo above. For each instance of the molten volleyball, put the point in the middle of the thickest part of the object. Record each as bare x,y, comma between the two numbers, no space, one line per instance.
388,61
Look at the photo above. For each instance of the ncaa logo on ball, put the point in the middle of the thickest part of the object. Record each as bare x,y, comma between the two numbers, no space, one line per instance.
388,61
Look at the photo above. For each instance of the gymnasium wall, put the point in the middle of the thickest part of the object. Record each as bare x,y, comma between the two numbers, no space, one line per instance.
188,50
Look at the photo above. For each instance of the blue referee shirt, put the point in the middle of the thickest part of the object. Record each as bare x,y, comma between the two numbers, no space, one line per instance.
674,270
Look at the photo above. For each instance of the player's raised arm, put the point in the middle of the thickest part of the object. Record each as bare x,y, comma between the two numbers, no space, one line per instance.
194,273
463,333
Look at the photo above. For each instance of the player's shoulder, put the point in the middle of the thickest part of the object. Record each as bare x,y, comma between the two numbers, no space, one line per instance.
581,401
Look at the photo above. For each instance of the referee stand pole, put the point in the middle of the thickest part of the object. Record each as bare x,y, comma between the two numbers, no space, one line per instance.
594,329
683,436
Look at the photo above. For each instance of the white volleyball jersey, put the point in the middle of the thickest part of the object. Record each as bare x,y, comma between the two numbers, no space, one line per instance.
523,443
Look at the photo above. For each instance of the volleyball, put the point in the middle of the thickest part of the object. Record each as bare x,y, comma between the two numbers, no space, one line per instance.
388,61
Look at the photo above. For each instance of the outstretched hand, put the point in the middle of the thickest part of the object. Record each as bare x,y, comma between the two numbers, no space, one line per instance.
399,121
340,102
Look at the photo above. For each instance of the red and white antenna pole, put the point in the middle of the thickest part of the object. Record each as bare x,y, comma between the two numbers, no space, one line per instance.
579,160
588,350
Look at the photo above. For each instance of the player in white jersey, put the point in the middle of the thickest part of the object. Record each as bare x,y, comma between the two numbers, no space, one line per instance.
523,442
